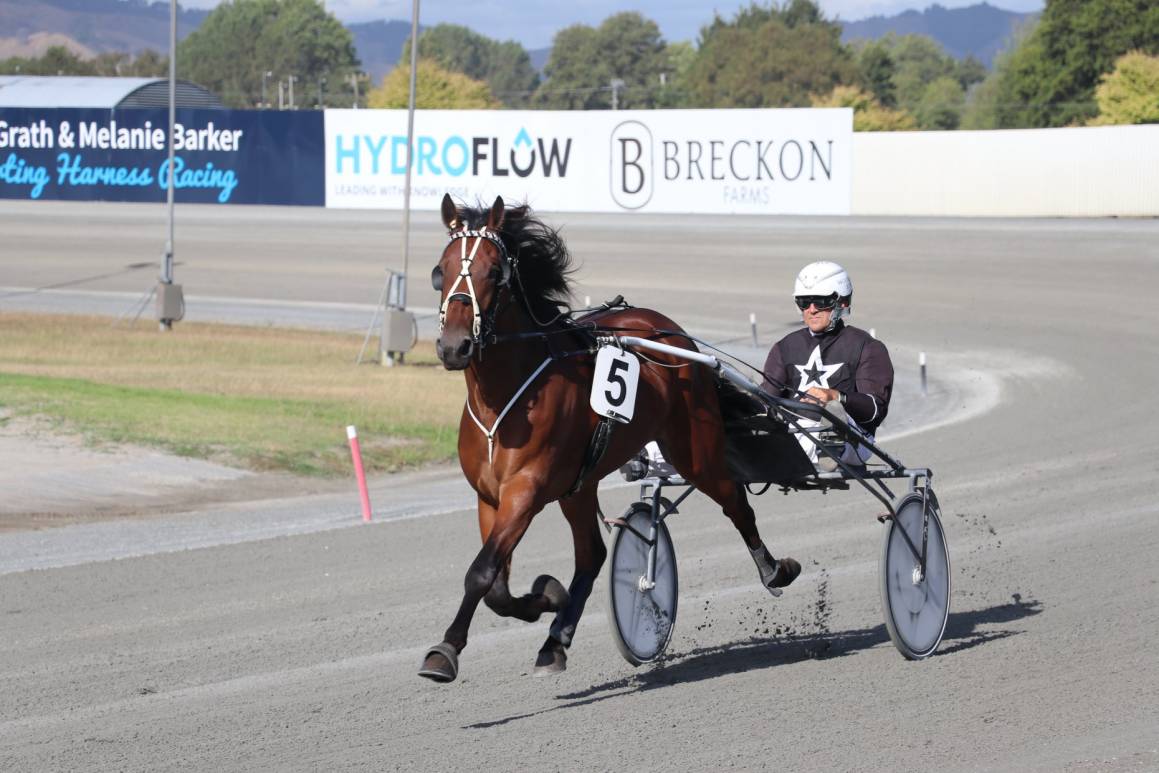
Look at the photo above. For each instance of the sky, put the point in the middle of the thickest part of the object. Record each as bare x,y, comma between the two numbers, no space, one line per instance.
534,22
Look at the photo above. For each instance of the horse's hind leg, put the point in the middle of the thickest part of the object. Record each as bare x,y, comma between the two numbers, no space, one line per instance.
699,456
580,511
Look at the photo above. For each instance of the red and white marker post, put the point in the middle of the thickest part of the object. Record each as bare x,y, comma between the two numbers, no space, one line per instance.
356,455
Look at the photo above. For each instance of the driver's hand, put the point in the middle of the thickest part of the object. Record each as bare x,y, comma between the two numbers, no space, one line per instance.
821,396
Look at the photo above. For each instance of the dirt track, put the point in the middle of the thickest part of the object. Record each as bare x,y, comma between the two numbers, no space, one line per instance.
299,651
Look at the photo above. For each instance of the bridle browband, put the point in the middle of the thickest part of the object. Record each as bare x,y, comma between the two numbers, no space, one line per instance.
483,321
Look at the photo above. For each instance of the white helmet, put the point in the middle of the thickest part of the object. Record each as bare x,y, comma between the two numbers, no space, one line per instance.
826,278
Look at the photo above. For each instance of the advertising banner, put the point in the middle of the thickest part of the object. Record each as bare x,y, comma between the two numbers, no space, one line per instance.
221,156
794,161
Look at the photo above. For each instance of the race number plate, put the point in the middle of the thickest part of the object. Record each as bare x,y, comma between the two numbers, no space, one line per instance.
614,387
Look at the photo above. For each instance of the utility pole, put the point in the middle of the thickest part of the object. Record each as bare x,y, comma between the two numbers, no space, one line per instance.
170,302
410,138
291,79
397,322
616,85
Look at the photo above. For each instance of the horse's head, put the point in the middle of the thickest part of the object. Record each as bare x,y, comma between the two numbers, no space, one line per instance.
472,274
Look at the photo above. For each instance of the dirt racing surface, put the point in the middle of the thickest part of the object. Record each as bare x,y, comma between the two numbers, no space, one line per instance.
273,634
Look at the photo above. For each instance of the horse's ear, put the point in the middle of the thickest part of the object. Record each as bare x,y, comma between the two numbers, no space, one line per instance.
497,214
450,214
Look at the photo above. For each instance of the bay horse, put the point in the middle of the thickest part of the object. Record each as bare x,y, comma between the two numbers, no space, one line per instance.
529,368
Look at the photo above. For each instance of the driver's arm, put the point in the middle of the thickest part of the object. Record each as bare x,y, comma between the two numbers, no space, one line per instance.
775,369
873,385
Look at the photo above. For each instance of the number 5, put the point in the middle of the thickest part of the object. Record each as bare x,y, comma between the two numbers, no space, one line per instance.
616,378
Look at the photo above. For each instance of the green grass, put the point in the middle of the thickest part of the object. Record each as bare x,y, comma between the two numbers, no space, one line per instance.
257,398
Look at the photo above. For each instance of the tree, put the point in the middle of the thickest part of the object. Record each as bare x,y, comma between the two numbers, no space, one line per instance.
877,72
1130,93
970,71
584,62
920,61
941,104
1051,77
506,67
673,91
148,64
869,115
241,41
57,60
984,100
436,88
769,57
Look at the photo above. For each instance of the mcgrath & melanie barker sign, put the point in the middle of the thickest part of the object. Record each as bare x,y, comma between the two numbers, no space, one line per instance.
680,161
220,156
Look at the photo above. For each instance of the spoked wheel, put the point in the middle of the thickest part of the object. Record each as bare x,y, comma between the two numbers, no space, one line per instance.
916,602
641,617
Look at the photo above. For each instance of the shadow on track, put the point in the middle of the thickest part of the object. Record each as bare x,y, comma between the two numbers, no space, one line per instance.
757,653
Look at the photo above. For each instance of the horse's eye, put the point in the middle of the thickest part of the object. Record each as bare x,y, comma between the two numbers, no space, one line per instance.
437,278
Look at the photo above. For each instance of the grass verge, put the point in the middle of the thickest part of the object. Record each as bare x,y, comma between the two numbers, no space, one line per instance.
260,398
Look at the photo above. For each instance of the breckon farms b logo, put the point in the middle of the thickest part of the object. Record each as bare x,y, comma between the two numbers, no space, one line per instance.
631,171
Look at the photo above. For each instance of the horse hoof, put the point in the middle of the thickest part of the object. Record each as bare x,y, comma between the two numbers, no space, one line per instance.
557,595
441,663
552,659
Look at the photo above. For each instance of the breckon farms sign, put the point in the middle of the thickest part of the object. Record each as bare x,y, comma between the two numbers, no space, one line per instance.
711,161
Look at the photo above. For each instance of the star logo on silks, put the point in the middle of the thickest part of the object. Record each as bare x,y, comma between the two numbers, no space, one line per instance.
816,373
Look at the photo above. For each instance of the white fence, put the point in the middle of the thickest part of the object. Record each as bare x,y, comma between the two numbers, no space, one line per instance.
1080,172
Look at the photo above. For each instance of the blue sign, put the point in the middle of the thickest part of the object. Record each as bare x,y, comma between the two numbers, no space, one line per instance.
220,156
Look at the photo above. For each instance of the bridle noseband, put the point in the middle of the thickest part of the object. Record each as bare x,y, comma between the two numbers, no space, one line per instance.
483,322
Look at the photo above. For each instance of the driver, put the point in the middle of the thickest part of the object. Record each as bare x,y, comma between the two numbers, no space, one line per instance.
829,361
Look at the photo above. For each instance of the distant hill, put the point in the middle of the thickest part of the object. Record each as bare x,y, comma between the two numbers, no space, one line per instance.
379,45
539,57
979,30
91,25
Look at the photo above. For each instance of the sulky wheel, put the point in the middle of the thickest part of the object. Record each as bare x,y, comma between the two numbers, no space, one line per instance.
916,603
641,617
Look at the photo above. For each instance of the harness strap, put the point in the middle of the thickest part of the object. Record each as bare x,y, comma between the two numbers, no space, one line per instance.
601,438
490,433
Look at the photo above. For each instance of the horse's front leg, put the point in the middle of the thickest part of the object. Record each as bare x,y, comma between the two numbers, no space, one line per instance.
580,511
517,508
547,593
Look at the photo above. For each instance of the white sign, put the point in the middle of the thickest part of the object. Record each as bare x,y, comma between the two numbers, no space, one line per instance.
614,385
793,161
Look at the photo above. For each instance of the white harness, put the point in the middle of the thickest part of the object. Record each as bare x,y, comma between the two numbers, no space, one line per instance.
490,433
464,277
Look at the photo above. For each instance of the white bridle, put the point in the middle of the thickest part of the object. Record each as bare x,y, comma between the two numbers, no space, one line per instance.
465,274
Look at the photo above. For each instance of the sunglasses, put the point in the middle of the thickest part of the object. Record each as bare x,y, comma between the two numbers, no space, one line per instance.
822,302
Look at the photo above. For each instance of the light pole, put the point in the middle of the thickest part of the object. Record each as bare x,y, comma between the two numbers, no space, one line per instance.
291,79
170,303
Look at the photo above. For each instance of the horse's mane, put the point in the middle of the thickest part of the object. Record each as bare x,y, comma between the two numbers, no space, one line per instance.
544,264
